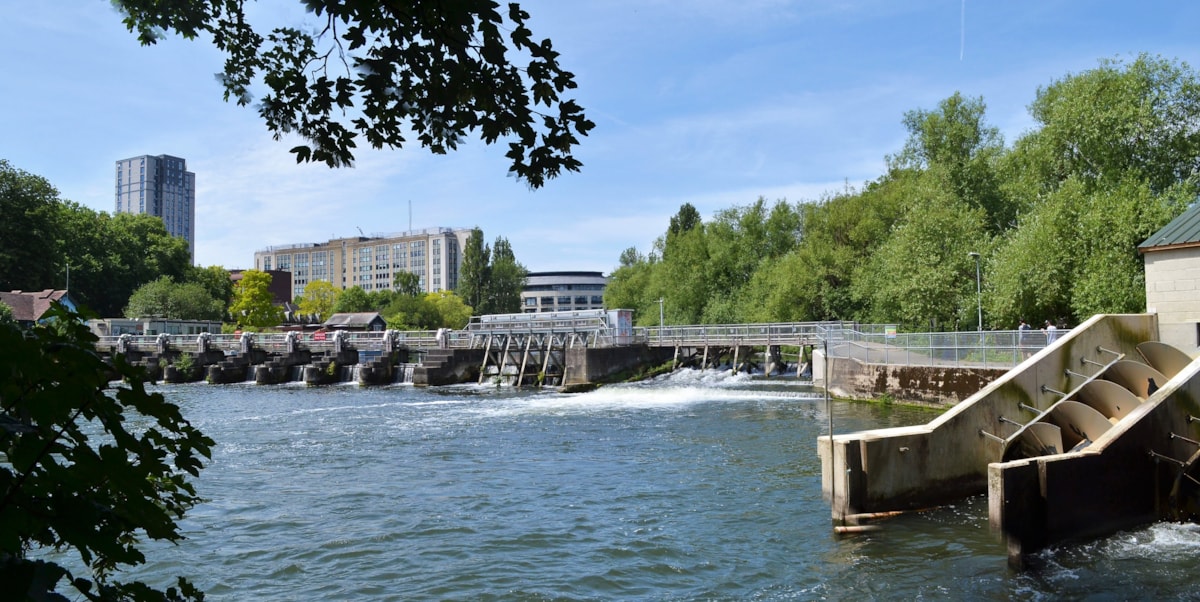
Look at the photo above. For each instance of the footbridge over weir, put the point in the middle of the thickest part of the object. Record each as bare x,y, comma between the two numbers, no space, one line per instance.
554,348
1097,432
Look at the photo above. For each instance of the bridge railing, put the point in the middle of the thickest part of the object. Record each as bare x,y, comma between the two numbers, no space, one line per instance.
787,333
987,349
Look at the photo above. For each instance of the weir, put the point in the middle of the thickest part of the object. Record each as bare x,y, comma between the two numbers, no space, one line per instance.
1097,432
546,348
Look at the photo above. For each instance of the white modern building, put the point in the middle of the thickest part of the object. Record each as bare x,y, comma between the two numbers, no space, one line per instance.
563,291
371,262
163,187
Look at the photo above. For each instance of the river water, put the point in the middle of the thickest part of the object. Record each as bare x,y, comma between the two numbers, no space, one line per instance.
695,486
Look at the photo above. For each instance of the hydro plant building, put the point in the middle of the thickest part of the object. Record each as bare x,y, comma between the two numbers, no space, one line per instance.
163,187
371,262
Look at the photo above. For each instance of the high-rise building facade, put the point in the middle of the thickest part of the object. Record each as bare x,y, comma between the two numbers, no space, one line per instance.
433,254
163,187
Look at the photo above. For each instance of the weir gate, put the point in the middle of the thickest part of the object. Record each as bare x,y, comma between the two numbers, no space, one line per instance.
550,348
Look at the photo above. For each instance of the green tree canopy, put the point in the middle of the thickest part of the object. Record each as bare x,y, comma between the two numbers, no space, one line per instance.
319,298
29,251
379,71
113,255
1139,120
215,279
407,312
253,305
353,300
407,283
955,145
451,309
473,275
175,301
506,280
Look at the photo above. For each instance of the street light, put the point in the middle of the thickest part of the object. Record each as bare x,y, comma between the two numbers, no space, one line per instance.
978,289
660,319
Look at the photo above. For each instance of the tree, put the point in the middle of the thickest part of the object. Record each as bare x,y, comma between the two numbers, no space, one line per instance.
411,313
407,283
382,70
84,471
683,221
253,305
6,314
473,276
628,288
923,276
175,301
29,253
1116,157
112,255
956,145
506,280
451,309
319,299
630,257
1117,121
353,300
215,279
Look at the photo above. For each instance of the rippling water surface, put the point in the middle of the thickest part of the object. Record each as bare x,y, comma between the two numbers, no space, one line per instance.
697,486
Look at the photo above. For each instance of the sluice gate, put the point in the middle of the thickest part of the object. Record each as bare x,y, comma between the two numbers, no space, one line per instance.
1098,432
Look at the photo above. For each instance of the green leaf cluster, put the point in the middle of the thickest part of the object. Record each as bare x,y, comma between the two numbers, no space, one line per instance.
382,71
253,304
166,298
490,279
86,470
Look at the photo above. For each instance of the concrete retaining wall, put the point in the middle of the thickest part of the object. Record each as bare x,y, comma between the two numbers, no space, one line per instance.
594,365
941,386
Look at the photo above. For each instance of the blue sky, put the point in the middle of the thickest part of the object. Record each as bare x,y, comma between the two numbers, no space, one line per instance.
709,102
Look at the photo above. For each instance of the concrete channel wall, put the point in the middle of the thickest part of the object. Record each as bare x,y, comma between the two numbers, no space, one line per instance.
932,385
928,465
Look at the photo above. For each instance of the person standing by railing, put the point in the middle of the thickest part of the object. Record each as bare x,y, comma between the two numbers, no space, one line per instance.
1051,332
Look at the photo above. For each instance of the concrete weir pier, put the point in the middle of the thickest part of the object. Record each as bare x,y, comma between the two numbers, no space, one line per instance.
1098,432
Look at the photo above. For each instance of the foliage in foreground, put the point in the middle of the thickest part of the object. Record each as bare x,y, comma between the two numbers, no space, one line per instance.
380,72
86,471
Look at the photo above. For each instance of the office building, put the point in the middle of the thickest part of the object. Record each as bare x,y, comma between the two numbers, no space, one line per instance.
371,262
563,291
163,187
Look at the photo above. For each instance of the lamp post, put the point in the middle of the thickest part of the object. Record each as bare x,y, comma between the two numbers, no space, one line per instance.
978,289
660,319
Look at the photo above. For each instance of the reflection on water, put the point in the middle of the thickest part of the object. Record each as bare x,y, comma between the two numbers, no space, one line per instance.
698,485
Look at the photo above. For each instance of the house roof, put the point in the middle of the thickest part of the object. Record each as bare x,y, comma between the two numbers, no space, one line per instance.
1183,231
30,306
355,320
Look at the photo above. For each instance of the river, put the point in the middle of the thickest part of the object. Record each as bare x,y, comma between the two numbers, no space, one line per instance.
694,486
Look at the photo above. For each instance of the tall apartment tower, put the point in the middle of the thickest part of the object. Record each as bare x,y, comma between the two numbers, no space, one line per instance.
163,187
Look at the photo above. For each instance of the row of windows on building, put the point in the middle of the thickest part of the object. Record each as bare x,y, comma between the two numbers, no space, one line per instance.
563,301
372,267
